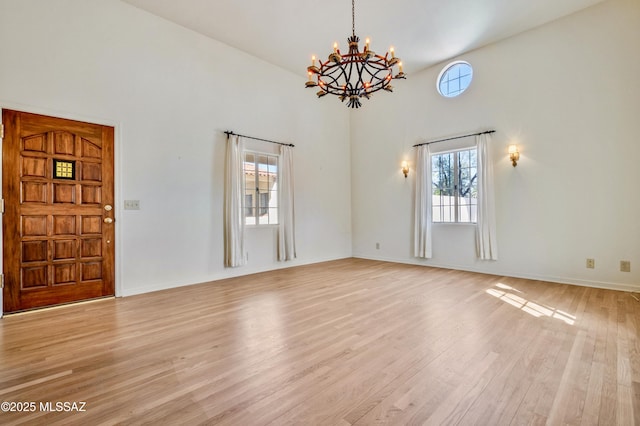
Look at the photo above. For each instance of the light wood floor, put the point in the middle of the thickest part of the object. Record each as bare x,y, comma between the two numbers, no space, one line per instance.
349,342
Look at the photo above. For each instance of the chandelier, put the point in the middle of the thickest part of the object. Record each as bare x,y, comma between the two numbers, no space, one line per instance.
355,75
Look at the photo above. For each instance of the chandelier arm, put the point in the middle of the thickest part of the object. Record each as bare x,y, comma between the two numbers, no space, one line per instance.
334,90
373,69
378,64
364,88
375,74
379,87
334,87
349,82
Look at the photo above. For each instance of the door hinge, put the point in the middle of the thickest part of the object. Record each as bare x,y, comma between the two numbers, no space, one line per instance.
1,131
2,206
1,281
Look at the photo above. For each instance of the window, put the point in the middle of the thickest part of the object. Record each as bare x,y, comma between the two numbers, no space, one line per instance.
261,188
454,176
454,79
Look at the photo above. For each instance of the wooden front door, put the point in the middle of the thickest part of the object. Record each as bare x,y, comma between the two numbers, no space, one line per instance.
58,225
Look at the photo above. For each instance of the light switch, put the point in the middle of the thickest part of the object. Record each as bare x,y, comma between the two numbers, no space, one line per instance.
132,204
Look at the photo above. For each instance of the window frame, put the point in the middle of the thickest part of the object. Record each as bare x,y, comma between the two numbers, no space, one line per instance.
456,205
256,195
448,68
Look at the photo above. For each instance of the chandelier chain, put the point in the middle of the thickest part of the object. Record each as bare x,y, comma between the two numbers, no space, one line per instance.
353,17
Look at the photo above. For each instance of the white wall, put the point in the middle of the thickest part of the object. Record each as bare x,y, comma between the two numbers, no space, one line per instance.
567,93
170,93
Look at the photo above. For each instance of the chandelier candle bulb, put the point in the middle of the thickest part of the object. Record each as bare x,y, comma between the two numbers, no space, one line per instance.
366,44
313,61
393,52
335,47
310,82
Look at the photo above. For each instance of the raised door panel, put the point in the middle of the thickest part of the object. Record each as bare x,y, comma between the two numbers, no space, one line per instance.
34,167
64,143
35,143
34,226
34,192
34,251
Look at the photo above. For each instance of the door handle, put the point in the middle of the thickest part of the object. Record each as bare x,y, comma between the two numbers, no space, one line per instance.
108,220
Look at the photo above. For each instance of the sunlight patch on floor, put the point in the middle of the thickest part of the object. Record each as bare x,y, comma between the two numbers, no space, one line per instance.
507,294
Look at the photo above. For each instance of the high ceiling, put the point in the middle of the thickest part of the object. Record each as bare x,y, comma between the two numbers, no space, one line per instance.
423,32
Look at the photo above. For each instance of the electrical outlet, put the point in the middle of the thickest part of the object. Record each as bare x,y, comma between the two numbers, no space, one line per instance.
377,246
591,263
625,266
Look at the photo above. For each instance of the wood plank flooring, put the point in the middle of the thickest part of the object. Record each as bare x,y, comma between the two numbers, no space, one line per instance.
348,342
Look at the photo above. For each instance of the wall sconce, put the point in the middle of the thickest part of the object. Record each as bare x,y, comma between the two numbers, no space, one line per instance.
514,155
405,169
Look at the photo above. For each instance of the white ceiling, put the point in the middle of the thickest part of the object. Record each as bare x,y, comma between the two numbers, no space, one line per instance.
423,32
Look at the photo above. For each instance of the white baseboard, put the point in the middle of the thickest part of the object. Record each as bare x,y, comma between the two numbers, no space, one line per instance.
248,270
228,273
514,274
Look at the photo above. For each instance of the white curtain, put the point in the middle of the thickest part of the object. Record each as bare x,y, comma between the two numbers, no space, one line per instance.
486,241
233,196
286,228
423,201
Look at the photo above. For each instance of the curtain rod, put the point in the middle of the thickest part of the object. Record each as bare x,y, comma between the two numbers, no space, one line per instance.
229,132
454,137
